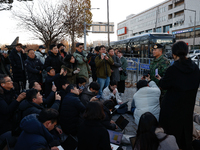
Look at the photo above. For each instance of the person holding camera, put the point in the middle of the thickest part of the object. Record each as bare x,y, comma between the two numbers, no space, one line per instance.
9,103
34,67
34,103
103,64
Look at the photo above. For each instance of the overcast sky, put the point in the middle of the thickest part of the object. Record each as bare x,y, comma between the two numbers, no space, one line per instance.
119,10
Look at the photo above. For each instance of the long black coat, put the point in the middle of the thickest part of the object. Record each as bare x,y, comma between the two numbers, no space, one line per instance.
18,72
70,110
176,115
106,121
3,68
54,61
92,135
8,105
33,67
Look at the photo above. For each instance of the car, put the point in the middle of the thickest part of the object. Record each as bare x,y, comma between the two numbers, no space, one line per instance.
194,52
196,59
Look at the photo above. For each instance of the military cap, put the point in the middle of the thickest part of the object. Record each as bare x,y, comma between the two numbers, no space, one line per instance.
157,46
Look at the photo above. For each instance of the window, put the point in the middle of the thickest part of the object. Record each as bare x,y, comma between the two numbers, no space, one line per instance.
197,33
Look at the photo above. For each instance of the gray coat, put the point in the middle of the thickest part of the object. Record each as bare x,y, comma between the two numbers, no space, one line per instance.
115,76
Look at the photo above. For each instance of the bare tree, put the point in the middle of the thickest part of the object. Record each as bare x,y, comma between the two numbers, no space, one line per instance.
74,18
43,18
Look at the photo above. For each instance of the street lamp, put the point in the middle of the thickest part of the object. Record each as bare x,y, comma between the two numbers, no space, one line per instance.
85,31
194,24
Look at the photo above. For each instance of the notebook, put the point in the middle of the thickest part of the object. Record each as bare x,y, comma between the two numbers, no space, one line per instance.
121,122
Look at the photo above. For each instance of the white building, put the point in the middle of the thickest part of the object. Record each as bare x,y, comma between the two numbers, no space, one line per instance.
171,16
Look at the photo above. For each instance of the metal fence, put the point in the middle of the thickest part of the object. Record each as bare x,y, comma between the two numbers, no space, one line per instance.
137,67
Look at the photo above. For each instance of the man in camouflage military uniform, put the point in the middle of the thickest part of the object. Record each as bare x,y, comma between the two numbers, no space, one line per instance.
159,62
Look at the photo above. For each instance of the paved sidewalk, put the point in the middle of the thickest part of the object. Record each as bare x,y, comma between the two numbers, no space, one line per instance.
132,127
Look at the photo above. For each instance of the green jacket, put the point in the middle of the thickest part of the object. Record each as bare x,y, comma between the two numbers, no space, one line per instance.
124,66
162,63
82,64
103,66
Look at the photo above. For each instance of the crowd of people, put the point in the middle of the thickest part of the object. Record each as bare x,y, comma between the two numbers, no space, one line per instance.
60,102
51,93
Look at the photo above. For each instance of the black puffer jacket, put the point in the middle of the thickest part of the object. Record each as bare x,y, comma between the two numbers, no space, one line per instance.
86,95
8,105
17,70
4,62
70,110
54,61
106,122
33,67
28,107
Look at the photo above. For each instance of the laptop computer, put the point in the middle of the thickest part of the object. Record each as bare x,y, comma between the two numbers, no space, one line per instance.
115,139
121,122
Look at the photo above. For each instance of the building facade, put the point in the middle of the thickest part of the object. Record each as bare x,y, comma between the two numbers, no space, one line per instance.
179,17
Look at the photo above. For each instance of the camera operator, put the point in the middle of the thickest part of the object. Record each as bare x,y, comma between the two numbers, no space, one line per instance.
103,64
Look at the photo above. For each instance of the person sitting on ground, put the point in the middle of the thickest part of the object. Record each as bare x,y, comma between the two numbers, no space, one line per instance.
107,122
89,93
34,101
51,79
81,84
72,70
92,135
111,92
151,136
64,90
9,103
50,98
36,129
70,110
146,99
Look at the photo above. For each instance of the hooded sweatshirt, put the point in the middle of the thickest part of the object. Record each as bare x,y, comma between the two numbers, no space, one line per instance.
34,135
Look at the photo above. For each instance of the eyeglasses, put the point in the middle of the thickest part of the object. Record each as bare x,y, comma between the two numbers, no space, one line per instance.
81,47
9,81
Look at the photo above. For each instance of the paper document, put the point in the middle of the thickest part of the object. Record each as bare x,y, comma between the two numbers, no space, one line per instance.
114,147
60,148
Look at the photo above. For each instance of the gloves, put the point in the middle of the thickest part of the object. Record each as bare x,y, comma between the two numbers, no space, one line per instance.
76,71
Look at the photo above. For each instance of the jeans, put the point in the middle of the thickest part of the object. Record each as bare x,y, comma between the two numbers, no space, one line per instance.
103,83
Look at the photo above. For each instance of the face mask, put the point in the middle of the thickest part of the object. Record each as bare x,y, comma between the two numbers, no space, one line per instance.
82,87
43,51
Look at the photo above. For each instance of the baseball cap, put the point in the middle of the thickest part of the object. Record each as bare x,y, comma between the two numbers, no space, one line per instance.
49,68
41,46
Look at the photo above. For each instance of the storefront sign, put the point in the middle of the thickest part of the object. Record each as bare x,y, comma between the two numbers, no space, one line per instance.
183,31
122,31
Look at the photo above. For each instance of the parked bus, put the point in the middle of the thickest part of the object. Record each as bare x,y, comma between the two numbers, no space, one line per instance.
142,45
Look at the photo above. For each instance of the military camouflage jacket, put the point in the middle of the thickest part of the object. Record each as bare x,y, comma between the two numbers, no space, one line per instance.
162,63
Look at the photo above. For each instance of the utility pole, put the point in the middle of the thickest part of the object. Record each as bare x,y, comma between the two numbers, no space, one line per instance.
193,26
108,23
